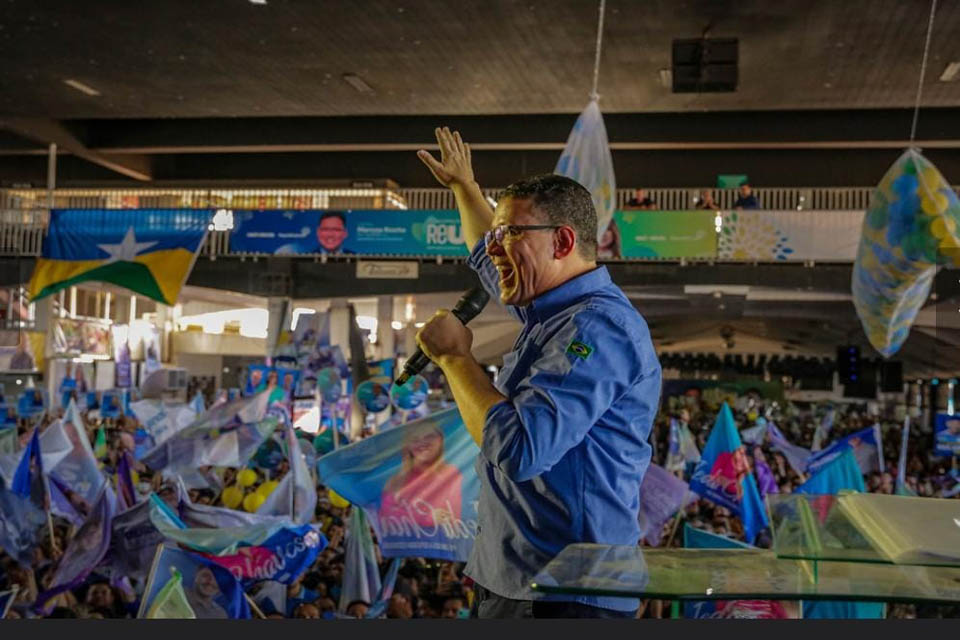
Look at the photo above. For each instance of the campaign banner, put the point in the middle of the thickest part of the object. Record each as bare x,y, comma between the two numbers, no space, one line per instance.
419,232
357,231
789,235
21,351
74,337
417,484
659,234
947,435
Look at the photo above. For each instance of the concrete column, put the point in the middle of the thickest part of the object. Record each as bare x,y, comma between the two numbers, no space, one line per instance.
277,309
165,325
340,325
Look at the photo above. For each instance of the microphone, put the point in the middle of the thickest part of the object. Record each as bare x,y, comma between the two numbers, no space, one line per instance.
466,309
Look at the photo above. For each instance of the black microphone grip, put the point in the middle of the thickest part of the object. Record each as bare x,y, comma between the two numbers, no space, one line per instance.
466,309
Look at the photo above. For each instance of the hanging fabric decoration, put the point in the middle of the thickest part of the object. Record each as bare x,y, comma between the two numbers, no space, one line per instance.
912,223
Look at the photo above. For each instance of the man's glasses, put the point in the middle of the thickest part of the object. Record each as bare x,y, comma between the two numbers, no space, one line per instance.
498,233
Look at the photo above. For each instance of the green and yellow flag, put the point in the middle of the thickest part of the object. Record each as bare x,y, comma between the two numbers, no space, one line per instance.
149,251
171,602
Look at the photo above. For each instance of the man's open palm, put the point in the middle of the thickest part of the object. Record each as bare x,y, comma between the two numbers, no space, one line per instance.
455,166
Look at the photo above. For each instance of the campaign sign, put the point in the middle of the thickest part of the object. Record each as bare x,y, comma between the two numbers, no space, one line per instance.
374,394
947,435
31,402
111,405
417,485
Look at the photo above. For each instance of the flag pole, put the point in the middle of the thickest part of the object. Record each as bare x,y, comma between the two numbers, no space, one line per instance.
676,525
254,607
53,539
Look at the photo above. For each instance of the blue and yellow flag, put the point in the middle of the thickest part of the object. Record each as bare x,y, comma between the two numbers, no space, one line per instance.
149,251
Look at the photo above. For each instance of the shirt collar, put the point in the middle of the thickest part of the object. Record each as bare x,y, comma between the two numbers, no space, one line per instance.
548,304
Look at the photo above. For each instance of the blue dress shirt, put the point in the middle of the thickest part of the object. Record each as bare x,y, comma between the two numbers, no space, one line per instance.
563,458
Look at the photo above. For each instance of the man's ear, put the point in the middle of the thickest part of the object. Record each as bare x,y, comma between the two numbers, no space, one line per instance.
564,242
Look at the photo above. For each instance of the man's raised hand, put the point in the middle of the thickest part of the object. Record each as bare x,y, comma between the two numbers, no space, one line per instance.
455,166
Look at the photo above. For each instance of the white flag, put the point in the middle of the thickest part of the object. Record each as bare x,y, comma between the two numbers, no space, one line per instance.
587,159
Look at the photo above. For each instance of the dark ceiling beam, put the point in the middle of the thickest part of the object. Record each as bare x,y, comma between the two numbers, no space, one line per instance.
47,131
814,129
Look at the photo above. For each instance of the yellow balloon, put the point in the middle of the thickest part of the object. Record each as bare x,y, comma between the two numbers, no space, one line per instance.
267,488
232,497
942,227
246,477
338,501
931,179
935,205
252,502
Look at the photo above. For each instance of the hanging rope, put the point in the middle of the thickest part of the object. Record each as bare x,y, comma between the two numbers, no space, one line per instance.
923,71
596,59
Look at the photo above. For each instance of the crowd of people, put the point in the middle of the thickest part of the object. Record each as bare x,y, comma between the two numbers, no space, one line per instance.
430,589
746,199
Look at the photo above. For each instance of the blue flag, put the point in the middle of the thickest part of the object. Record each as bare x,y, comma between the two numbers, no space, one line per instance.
226,436
902,488
28,479
283,557
842,472
379,607
421,508
85,551
723,475
78,471
197,404
796,455
296,495
675,460
361,575
19,521
210,589
867,446
823,430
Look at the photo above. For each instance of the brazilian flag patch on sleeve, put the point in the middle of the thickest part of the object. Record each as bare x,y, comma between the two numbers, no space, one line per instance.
580,349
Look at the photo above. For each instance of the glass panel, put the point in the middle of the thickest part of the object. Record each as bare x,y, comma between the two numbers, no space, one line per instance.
866,527
725,574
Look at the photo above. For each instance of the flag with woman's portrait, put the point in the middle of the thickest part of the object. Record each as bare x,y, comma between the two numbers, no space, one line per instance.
417,484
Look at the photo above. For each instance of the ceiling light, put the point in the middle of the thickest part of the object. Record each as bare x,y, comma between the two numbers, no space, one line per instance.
666,78
396,326
950,73
357,83
83,88
258,1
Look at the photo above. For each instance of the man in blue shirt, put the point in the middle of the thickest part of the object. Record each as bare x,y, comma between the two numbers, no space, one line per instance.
564,432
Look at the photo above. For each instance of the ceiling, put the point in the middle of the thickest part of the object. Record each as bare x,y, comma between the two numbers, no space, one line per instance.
231,91
227,58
